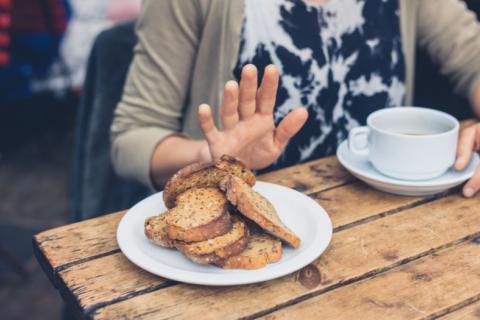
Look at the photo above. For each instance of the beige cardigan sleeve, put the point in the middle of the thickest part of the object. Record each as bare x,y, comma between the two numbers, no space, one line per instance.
451,35
156,88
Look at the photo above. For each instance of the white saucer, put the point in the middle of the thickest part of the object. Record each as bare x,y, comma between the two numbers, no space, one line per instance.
361,168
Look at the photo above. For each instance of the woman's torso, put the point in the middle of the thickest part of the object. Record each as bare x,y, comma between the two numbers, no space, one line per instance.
341,60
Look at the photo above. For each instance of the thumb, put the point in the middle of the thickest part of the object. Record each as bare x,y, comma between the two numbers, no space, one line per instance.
290,126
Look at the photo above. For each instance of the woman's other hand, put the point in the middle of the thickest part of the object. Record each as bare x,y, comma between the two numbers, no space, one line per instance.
248,130
468,144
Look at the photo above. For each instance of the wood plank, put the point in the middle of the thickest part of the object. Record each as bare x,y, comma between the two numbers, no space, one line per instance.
311,176
413,291
342,204
354,253
106,280
76,242
358,203
470,312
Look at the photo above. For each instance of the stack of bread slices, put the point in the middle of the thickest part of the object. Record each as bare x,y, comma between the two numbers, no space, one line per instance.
215,217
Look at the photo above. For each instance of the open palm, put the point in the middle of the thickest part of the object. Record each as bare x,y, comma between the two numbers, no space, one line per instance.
248,129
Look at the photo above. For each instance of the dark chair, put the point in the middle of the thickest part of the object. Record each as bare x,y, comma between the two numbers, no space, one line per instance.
96,188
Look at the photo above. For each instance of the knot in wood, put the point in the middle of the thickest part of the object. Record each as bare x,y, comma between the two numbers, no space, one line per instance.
300,187
476,240
309,277
422,277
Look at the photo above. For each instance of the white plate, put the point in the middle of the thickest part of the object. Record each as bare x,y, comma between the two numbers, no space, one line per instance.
299,212
361,168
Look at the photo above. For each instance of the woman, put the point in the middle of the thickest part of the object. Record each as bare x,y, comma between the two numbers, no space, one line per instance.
339,59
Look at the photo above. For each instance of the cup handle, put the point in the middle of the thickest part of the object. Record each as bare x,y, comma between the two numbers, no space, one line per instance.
353,136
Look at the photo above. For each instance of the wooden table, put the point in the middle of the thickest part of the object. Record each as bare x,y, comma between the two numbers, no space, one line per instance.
391,257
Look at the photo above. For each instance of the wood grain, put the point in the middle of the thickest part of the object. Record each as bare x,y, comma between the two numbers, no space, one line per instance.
106,280
413,291
311,176
76,242
469,312
358,203
354,254
342,204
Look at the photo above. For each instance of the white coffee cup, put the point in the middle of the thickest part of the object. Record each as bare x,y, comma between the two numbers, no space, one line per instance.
407,143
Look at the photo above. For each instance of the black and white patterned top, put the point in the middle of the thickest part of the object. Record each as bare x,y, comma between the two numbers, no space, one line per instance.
341,60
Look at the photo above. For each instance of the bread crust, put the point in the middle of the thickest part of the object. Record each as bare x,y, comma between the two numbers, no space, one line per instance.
218,252
226,162
156,231
243,198
172,190
210,230
262,250
204,174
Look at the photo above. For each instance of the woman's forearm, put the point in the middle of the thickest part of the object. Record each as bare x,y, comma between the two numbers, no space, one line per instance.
173,153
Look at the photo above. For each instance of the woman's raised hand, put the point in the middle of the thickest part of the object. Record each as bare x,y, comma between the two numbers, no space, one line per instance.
248,130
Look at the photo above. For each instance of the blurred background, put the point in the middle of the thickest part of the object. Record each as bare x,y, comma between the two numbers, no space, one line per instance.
44,52
56,101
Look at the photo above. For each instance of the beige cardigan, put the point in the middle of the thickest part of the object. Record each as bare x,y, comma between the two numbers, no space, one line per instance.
187,49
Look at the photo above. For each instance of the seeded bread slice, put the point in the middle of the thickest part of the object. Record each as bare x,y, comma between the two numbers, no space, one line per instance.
218,248
201,175
200,214
255,207
262,249
156,230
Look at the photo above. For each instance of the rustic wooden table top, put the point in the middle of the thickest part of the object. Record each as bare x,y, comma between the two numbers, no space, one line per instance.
391,257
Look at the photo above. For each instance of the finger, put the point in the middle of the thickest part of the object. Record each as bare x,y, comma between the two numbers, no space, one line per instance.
248,92
206,122
229,110
289,126
473,185
268,90
477,138
466,145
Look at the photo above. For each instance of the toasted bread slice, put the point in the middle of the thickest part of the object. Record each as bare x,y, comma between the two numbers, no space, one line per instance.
156,230
219,248
201,175
200,214
255,207
262,249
